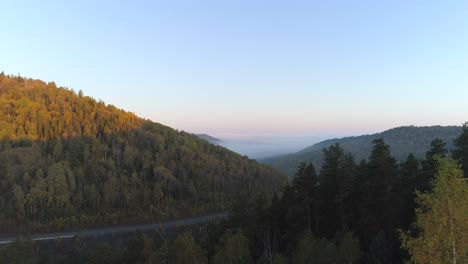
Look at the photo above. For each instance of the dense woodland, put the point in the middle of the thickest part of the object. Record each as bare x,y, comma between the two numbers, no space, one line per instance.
372,211
67,161
376,211
105,170
402,142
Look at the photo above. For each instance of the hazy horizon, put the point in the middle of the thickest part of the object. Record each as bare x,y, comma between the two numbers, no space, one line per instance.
264,146
260,147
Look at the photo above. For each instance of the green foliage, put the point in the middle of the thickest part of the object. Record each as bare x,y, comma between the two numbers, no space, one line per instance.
441,219
310,248
185,250
460,152
233,248
378,192
321,250
279,259
348,249
102,255
438,149
380,249
20,251
135,251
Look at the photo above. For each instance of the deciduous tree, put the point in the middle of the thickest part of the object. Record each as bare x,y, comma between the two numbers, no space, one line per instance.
441,219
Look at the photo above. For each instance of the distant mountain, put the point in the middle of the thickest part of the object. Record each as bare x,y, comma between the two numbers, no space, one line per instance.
68,160
402,141
209,138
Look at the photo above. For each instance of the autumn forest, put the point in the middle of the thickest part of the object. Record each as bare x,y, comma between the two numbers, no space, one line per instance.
70,162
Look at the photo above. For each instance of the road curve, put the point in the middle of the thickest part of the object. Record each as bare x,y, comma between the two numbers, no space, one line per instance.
121,229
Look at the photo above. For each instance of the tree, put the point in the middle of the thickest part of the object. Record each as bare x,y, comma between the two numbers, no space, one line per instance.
134,251
348,249
20,202
378,191
233,248
102,254
410,180
279,259
311,248
438,148
185,250
460,152
410,168
330,177
59,192
305,194
344,197
329,173
441,219
21,251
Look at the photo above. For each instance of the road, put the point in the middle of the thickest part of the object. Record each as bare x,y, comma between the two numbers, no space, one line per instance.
121,229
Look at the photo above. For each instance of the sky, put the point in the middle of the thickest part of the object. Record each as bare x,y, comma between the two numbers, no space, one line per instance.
248,68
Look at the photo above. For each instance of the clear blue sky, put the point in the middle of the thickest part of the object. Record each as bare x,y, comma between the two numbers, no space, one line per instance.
251,67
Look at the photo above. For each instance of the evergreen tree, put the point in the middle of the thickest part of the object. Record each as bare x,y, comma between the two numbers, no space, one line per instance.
303,213
438,149
344,199
410,176
330,173
377,208
336,187
460,152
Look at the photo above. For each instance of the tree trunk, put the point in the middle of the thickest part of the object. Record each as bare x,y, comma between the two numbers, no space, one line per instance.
452,236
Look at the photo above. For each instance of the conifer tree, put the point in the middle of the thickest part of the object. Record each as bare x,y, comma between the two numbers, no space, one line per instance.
460,152
438,148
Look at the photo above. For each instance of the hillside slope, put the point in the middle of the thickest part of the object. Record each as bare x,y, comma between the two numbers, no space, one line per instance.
402,141
67,160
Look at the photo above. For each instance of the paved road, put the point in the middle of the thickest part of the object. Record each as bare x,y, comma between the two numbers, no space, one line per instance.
121,229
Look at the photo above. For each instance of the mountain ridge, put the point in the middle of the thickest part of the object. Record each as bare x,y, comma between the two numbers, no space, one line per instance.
402,140
209,138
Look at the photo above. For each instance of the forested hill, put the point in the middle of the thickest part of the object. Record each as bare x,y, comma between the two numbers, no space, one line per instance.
67,160
402,141
35,110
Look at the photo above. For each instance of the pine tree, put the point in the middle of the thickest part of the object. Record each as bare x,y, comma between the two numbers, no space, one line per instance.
460,152
377,208
305,198
438,149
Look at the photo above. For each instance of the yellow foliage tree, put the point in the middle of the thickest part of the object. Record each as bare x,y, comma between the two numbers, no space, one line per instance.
441,219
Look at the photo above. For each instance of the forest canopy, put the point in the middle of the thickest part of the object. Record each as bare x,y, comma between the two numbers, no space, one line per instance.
68,160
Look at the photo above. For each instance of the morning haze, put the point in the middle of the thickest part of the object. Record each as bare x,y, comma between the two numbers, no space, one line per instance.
233,131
